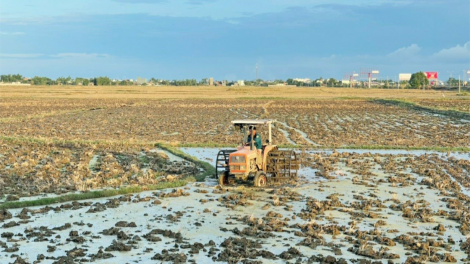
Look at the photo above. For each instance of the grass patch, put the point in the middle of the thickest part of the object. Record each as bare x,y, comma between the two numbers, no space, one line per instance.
209,170
414,106
206,145
96,194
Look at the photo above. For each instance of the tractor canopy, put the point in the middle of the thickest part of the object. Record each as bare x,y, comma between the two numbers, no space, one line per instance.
252,122
243,124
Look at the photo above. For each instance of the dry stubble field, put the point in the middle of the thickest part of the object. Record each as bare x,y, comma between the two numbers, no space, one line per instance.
63,139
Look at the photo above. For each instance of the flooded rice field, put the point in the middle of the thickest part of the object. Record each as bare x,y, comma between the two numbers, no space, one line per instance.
349,206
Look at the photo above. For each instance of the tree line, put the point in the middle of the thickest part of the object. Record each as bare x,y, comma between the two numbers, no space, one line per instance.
418,80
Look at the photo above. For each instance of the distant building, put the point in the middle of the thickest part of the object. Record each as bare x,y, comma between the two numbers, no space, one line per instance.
404,77
211,81
304,80
348,82
140,81
241,83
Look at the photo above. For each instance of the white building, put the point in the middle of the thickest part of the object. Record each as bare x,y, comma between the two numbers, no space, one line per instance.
304,80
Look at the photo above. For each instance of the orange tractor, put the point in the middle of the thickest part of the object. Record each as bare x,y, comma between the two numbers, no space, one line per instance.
246,163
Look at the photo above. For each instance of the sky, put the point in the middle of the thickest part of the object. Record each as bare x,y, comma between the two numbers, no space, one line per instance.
228,39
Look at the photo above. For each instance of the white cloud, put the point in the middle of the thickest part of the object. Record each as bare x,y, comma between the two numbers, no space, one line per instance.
457,53
405,52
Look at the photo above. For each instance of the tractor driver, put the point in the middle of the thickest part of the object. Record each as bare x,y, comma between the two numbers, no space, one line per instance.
256,137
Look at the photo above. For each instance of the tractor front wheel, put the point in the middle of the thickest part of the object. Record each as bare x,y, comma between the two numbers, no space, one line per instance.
260,179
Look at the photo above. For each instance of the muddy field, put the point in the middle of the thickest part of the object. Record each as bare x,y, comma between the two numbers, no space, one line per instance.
350,206
321,123
33,168
453,104
347,208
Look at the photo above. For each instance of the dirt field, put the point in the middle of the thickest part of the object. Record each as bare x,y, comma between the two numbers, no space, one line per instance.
311,123
183,92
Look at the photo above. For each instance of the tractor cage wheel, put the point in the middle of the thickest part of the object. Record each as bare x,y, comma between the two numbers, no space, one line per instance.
282,165
222,162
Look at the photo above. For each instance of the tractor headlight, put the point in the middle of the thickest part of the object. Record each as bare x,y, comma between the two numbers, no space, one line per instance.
242,167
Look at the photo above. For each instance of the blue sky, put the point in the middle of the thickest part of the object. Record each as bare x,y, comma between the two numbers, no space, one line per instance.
225,39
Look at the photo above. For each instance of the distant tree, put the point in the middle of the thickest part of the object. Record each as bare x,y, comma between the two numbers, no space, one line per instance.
452,81
290,81
125,83
331,82
64,80
37,80
258,82
11,78
186,82
204,81
81,81
153,80
102,81
418,80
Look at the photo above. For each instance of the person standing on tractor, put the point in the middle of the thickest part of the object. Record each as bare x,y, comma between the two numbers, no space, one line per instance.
256,137
257,143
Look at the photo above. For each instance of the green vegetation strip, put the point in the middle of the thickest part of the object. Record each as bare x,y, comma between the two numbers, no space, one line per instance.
209,170
463,94
95,194
414,106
